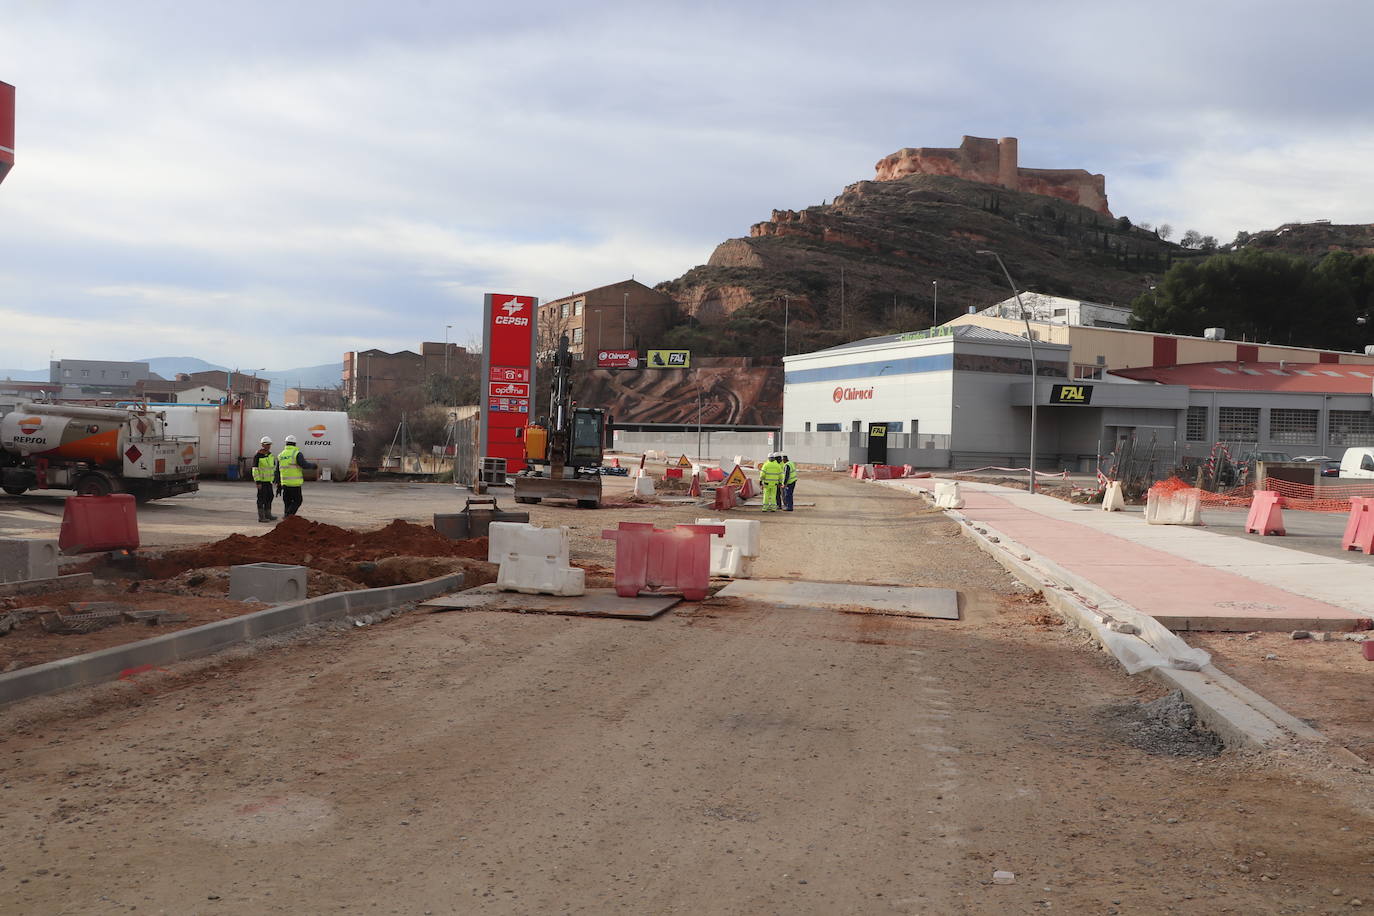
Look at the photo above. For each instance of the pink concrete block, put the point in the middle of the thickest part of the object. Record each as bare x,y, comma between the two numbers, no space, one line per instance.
1266,513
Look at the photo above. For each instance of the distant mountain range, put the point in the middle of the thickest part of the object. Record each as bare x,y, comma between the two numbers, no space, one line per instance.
325,376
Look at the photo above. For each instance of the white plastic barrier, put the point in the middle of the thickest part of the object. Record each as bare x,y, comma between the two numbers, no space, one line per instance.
947,495
840,465
533,560
734,554
1112,500
644,486
1173,507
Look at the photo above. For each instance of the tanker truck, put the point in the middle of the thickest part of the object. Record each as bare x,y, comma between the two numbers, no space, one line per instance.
229,434
94,451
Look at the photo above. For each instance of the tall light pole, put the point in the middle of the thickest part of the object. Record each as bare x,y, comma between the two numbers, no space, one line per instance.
625,322
1030,339
786,313
935,306
446,329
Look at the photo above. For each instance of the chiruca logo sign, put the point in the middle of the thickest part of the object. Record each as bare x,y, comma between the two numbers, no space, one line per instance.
852,394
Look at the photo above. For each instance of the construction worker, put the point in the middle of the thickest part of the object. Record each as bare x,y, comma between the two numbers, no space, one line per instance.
771,476
290,478
789,482
265,476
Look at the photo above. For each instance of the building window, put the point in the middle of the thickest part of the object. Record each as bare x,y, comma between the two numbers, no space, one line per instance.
1197,424
1238,424
895,427
827,427
85,373
66,373
1351,427
808,426
1083,370
1292,426
567,309
577,335
577,307
124,373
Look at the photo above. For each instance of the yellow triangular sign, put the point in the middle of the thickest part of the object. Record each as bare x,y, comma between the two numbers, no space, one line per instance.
683,462
736,478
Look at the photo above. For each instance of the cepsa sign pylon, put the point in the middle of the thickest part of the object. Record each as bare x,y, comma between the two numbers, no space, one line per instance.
508,335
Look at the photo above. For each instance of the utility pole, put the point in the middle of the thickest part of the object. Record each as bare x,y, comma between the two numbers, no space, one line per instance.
446,329
786,311
625,323
935,308
841,297
1030,341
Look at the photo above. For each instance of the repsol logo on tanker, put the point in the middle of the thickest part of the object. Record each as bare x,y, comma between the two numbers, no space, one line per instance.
853,394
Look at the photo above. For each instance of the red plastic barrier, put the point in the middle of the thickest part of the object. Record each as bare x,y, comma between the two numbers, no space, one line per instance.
675,559
1359,528
714,474
882,472
1266,514
91,524
615,462
854,471
747,491
673,472
725,498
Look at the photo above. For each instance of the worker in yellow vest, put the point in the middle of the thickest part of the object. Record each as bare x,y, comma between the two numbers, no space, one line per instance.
771,476
265,476
789,482
289,465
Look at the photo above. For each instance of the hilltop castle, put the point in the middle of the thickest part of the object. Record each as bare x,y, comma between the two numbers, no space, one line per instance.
994,162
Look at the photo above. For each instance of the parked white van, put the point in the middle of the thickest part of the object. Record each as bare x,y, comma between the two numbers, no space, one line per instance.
1358,462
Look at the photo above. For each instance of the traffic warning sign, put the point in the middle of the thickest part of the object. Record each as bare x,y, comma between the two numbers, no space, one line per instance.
736,478
683,462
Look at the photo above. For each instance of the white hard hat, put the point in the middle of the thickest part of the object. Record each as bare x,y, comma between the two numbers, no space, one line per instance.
265,440
290,440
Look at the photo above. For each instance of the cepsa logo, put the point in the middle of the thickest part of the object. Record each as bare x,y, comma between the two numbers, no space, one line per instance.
30,425
852,394
512,308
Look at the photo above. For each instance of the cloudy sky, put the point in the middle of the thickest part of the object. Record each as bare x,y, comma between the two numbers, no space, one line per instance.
269,184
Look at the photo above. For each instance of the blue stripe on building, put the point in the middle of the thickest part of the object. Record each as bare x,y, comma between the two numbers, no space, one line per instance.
939,362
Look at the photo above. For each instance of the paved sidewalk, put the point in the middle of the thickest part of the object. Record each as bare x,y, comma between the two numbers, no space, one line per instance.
1185,577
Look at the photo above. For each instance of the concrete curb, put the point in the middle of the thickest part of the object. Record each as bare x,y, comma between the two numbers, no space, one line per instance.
59,583
109,664
1235,712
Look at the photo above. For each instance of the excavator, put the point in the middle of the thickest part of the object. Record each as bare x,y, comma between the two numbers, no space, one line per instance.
563,450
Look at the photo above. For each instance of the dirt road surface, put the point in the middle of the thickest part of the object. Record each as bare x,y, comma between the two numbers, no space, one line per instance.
725,758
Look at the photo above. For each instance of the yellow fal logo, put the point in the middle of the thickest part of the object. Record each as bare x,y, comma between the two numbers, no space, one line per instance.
877,432
1071,394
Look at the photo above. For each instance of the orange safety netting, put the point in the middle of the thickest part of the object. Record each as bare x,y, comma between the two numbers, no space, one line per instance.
1300,496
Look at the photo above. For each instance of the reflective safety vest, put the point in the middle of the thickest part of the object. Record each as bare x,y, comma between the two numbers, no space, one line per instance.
770,473
291,473
789,472
265,469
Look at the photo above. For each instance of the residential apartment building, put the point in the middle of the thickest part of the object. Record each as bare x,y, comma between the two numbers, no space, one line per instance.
627,315
375,373
98,374
314,399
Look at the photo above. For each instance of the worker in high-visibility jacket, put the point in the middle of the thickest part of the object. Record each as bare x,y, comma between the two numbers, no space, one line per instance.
289,465
771,476
789,482
265,476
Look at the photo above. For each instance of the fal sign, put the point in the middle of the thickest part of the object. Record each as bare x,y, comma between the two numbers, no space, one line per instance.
852,394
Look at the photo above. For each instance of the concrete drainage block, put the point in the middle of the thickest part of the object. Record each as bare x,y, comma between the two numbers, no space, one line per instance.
22,559
270,583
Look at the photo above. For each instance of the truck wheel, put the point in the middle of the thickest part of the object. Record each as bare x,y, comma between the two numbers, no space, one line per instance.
16,491
587,504
93,485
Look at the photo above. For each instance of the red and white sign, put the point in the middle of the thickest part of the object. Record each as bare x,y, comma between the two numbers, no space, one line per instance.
617,359
508,335
852,394
508,374
6,129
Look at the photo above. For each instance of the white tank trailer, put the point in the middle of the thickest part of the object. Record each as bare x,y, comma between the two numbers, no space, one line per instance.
229,436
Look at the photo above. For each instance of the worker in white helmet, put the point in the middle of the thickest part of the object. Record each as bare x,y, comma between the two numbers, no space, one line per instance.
266,477
290,476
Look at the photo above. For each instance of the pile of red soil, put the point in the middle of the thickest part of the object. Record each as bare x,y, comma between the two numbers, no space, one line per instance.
296,540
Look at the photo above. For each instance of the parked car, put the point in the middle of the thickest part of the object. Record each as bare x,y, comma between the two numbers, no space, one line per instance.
1358,462
1314,458
1331,468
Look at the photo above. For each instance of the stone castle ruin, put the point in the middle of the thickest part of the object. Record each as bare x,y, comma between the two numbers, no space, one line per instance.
994,162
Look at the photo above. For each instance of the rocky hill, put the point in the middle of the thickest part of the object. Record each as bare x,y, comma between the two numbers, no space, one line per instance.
870,261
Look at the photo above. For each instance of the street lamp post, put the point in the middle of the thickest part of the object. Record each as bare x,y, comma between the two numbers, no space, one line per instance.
446,330
935,306
1030,340
786,313
625,322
